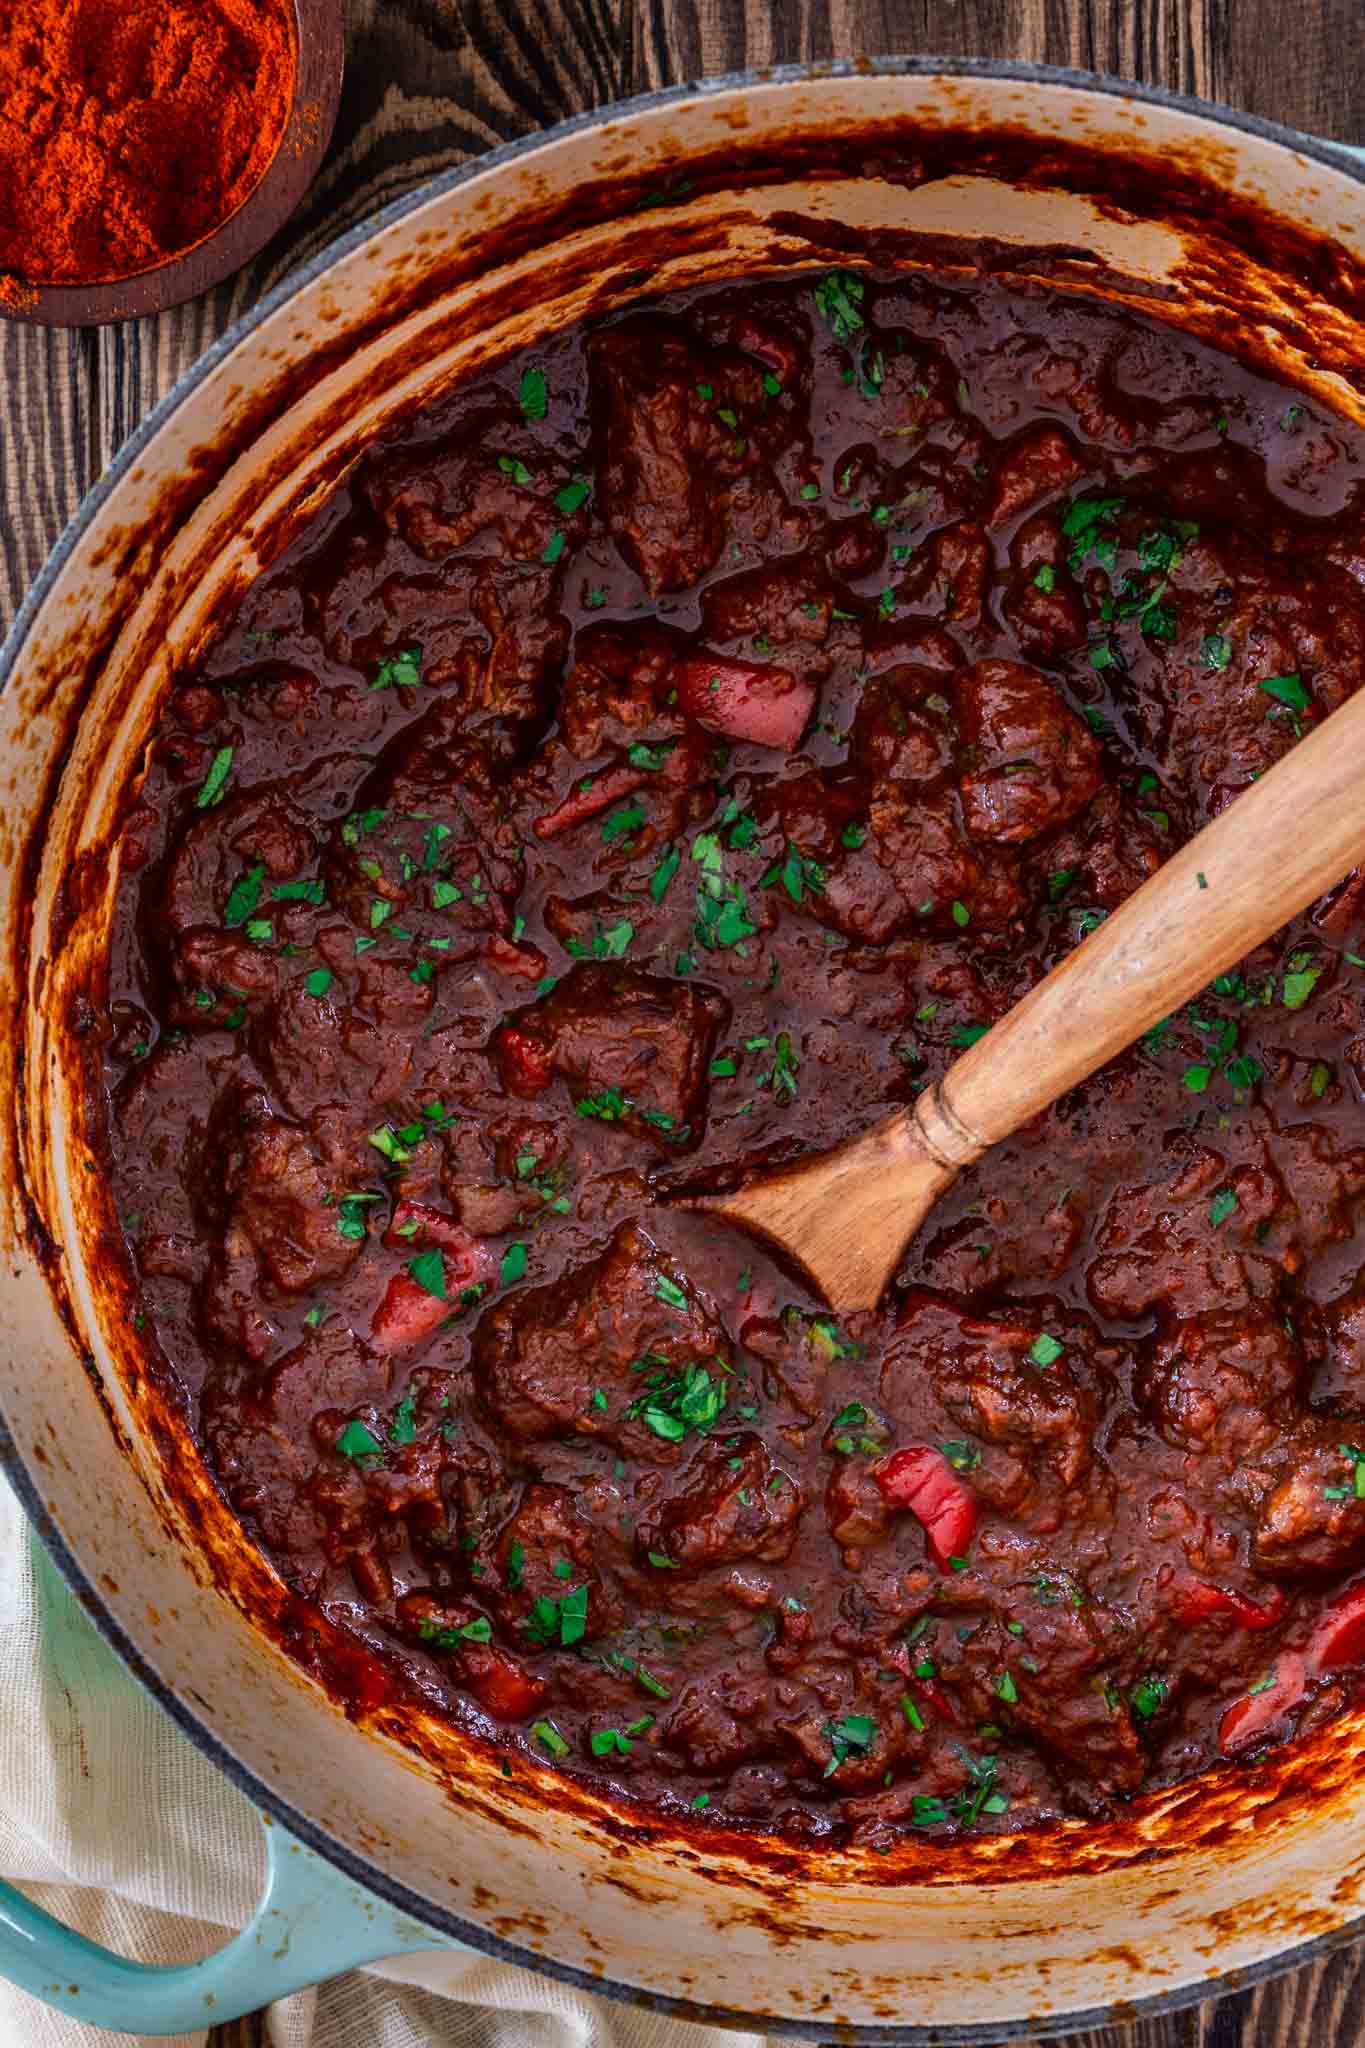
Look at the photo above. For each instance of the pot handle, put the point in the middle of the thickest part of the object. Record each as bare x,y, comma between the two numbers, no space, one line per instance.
312,1922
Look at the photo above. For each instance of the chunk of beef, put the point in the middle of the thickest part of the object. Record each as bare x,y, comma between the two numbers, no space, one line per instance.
1224,1385
670,777
918,388
1156,1245
486,635
1312,1523
1070,1691
781,608
278,1210
617,688
221,975
441,495
797,1351
315,1049
1029,763
542,1354
903,729
501,1684
949,577
425,837
856,1508
1219,730
637,1046
919,843
1109,849
257,1430
1040,462
1009,1383
735,1502
888,838
525,1577
715,1727
668,450
228,858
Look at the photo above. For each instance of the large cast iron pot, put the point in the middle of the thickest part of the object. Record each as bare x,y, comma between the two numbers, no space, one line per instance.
1240,232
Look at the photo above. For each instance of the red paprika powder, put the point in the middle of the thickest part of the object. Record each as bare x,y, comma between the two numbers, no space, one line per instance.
130,129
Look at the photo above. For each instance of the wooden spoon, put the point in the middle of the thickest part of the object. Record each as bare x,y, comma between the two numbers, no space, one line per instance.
845,1216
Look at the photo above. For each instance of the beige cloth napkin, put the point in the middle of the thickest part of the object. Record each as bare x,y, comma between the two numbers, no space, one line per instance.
112,1820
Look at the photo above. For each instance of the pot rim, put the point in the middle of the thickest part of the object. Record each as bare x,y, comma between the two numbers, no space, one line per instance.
1337,156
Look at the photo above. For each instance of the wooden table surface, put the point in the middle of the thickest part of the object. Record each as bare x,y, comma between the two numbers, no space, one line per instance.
430,82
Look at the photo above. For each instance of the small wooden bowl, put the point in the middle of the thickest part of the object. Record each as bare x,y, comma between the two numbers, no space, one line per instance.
306,133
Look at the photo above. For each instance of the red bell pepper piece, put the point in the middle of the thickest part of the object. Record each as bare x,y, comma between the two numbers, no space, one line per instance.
527,962
930,1690
1247,1720
744,700
921,1479
1338,1636
405,1315
1196,1600
414,1225
589,797
409,1312
522,1062
499,1684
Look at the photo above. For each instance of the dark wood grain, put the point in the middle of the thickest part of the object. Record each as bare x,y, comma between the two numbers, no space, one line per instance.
430,82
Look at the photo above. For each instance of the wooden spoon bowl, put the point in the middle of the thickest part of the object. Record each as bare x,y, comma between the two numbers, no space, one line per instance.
320,27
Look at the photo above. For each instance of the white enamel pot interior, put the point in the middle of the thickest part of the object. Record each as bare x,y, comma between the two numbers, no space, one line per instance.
1222,225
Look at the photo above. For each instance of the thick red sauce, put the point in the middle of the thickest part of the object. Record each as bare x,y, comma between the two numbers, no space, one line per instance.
664,754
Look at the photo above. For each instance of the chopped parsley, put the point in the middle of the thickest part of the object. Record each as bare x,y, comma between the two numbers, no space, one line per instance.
680,1401
619,1741
563,1620
513,1265
211,789
1301,978
399,671
1085,517
722,912
480,1630
403,1428
785,1068
546,1733
1286,690
358,1443
838,300
1147,1697
573,495
1215,652
243,896
533,394
629,818
351,1215
1222,1206
606,944
663,874
669,1291
797,874
608,1106
1045,1349
854,1735
641,755
428,1269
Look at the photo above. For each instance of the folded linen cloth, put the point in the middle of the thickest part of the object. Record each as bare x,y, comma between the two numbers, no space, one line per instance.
113,1821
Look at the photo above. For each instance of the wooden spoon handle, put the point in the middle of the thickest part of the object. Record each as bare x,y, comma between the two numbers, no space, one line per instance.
1285,839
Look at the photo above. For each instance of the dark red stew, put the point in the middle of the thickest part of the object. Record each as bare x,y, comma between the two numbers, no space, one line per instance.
666,754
